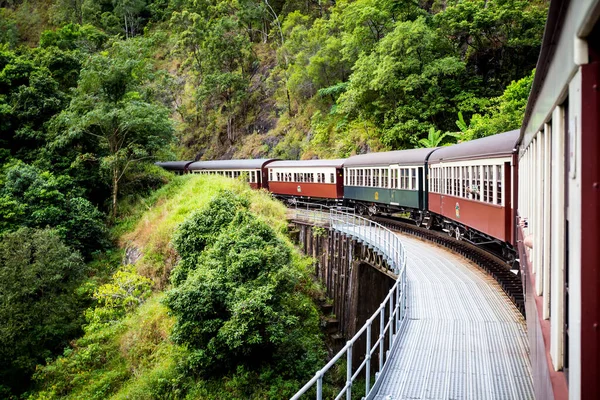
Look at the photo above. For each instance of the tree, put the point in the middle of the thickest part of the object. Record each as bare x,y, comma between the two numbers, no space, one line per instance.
38,199
499,40
39,308
504,113
409,83
236,299
129,11
114,107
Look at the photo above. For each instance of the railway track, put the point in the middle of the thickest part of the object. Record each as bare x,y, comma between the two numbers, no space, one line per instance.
493,265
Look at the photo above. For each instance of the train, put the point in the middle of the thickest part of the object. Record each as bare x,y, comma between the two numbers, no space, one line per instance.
464,189
533,193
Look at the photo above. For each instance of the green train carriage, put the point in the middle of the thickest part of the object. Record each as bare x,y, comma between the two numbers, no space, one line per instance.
388,182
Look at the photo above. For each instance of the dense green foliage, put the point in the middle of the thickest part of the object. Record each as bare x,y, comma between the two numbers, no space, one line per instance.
92,93
235,297
40,307
235,259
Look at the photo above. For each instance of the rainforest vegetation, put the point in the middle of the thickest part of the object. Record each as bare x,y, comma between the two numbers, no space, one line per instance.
118,280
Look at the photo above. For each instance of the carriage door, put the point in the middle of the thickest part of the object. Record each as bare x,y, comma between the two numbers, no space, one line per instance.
393,184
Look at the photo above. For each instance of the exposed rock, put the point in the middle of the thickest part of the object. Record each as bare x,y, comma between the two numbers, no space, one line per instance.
132,255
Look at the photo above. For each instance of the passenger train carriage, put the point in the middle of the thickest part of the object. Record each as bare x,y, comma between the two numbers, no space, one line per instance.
559,205
177,167
251,170
470,186
310,179
388,181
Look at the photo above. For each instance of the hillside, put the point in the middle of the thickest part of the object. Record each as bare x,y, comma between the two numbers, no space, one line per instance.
92,93
138,342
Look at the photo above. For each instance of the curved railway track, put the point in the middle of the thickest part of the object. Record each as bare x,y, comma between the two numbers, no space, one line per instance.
496,267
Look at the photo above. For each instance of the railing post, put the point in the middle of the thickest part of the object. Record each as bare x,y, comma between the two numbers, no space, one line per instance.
391,321
368,358
381,338
320,387
398,304
349,373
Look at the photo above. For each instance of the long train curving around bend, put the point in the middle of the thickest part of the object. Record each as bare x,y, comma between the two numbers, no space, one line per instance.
467,190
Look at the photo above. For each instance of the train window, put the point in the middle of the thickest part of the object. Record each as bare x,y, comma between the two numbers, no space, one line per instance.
402,178
376,177
477,180
490,184
456,181
499,184
484,180
413,185
332,178
453,180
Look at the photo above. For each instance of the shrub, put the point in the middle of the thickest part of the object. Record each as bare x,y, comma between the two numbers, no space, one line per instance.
39,308
238,301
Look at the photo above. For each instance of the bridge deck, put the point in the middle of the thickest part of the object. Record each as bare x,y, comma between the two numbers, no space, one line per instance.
463,339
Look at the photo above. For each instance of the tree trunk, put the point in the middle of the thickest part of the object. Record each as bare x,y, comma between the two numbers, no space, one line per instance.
115,191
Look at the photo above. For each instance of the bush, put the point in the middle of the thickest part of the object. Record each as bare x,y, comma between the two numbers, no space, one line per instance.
39,199
39,308
237,301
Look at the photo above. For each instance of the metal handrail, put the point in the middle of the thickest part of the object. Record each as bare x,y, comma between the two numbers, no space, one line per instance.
391,313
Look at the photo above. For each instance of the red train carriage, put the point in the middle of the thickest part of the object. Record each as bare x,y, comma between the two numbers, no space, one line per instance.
310,179
559,194
470,185
254,171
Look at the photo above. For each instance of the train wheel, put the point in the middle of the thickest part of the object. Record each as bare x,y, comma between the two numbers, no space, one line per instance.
457,234
419,219
429,223
450,230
